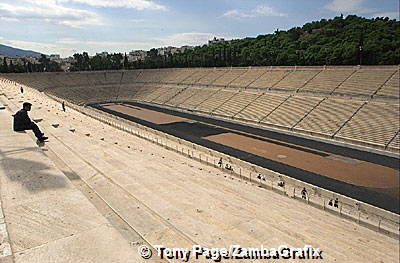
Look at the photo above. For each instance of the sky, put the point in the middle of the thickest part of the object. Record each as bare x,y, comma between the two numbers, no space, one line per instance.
66,27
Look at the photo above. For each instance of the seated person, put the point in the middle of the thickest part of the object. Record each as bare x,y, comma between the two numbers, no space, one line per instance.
336,203
304,193
22,122
261,177
228,167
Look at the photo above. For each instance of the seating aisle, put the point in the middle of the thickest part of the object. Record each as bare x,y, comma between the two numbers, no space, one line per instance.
48,219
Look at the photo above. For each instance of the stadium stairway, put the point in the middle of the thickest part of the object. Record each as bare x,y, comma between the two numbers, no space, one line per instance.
47,217
158,196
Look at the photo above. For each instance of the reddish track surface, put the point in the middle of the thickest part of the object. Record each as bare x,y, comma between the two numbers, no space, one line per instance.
352,171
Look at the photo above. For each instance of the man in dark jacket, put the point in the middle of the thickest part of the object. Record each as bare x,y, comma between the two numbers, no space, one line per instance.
22,122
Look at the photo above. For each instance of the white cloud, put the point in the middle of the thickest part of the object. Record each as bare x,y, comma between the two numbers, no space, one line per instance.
176,40
190,39
135,4
118,45
48,11
137,21
56,11
68,46
234,13
94,46
346,6
9,19
265,10
260,10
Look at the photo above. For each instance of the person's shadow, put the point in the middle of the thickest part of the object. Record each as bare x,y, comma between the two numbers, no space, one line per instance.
35,176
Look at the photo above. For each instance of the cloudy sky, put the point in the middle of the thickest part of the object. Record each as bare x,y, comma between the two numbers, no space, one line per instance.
68,26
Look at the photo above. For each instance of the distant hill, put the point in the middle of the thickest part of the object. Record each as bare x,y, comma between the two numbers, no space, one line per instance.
339,41
14,52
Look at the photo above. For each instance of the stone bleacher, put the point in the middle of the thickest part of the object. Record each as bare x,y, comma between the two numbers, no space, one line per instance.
127,91
150,75
212,76
325,101
167,91
130,76
269,79
43,82
56,80
230,76
200,94
148,93
113,77
392,87
176,75
96,78
215,101
261,107
329,116
376,123
70,93
181,97
37,81
364,82
196,75
290,112
327,80
78,79
238,102
395,143
250,76
296,80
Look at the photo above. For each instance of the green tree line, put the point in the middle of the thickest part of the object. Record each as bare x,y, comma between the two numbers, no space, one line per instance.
99,62
26,66
340,41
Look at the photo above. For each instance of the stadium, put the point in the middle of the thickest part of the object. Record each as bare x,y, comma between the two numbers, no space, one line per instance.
217,156
156,131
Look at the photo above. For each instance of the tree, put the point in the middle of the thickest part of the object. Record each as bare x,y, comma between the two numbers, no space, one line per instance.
4,68
11,67
126,62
